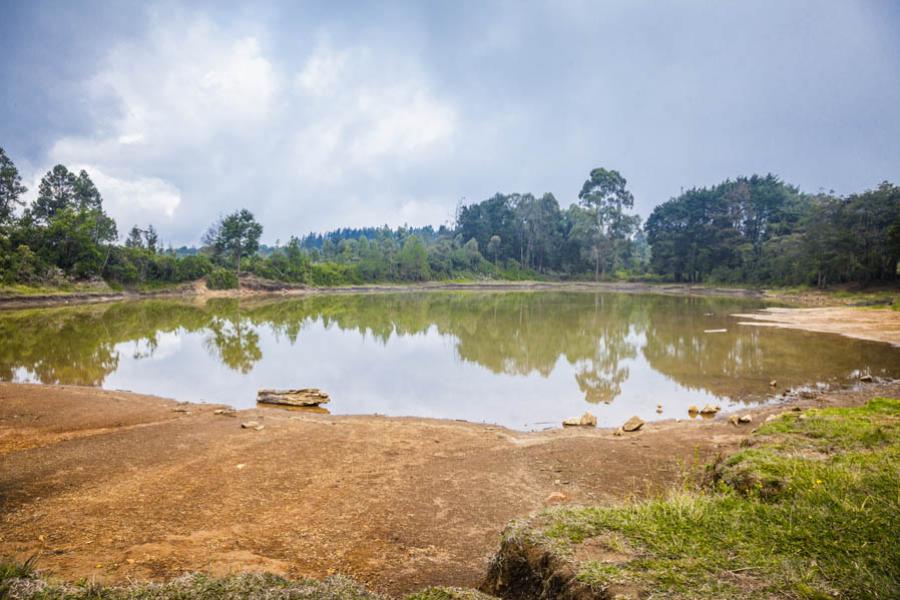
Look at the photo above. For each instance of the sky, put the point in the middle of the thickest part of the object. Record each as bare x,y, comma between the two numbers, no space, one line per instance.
317,115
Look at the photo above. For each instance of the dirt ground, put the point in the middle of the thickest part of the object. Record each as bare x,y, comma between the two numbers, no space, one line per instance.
880,325
113,485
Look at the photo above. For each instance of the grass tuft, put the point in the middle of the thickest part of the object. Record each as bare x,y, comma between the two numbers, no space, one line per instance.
253,586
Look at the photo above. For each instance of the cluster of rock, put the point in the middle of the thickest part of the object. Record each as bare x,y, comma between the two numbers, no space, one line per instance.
709,409
585,420
589,420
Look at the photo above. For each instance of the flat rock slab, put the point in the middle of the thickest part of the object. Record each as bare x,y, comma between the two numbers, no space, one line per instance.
633,424
300,397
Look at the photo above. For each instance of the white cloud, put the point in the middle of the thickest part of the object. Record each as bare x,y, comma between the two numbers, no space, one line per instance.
205,125
367,113
137,200
321,73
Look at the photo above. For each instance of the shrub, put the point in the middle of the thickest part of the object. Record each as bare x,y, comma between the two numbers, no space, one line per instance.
221,279
334,274
191,268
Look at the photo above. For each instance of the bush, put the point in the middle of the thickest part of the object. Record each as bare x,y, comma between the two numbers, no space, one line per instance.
221,279
191,268
334,274
22,266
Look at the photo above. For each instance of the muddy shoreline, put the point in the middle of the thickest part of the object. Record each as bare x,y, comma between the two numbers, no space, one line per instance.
116,486
877,325
199,290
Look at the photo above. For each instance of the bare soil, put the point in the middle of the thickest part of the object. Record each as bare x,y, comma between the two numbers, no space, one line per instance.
116,486
880,325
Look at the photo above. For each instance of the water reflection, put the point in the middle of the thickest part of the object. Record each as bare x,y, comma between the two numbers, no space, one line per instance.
599,347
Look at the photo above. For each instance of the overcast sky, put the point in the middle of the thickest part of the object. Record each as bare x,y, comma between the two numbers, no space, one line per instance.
317,115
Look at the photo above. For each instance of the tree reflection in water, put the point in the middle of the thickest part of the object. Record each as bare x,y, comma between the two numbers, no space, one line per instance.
519,334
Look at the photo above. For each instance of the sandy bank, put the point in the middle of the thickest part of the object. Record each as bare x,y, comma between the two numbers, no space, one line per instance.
880,325
116,485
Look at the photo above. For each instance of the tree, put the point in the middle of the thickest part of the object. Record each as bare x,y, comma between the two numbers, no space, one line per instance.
413,259
135,238
493,246
11,188
151,238
85,193
56,192
605,194
234,237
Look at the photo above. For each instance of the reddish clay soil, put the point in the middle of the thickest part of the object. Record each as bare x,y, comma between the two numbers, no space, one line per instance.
113,485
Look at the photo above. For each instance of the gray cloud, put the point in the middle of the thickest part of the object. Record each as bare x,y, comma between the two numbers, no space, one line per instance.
316,117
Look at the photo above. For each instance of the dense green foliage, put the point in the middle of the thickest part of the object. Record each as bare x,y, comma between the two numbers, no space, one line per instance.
754,230
808,510
761,230
221,279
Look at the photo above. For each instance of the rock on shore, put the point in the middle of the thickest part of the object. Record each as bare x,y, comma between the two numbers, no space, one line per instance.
299,397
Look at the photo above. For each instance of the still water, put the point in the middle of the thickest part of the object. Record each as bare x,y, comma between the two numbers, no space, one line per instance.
524,360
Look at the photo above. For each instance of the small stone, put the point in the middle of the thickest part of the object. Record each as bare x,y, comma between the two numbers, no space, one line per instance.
180,409
745,419
710,409
618,432
555,498
771,418
807,394
802,418
633,424
224,411
240,466
252,425
693,410
773,383
866,378
733,419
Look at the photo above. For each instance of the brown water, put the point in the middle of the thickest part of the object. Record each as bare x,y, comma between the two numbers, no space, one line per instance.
525,360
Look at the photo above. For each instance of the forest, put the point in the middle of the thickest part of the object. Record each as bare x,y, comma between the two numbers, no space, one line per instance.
755,230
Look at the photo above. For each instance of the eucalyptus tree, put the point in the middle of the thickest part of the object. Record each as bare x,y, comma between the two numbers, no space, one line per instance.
605,194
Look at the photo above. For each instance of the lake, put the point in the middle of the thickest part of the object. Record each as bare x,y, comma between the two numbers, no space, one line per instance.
525,360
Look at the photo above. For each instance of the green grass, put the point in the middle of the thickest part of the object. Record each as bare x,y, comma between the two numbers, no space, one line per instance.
810,509
147,286
54,290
